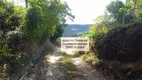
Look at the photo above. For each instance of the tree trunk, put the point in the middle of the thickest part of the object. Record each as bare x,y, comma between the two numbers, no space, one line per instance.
123,20
26,2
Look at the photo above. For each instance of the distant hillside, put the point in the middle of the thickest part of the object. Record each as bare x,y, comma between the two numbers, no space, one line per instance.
74,30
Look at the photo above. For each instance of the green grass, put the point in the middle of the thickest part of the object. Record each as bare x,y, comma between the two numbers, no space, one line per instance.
118,27
90,58
71,68
65,60
78,53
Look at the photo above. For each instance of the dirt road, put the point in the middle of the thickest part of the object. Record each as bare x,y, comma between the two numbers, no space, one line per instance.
49,69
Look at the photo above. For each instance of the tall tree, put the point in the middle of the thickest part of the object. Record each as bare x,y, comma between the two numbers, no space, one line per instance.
26,3
44,16
114,9
136,7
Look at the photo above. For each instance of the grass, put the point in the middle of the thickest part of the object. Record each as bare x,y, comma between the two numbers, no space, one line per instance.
66,62
78,53
129,25
75,53
91,59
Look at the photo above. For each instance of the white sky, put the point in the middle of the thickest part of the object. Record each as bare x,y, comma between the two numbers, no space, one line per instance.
86,10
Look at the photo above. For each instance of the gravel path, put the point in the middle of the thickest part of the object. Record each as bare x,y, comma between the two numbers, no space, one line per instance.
49,69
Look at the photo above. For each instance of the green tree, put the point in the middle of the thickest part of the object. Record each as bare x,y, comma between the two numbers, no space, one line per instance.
136,8
44,16
59,31
114,9
11,19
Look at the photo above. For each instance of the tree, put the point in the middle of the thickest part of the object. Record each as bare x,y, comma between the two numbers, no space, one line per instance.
59,31
26,2
11,38
44,16
114,9
136,8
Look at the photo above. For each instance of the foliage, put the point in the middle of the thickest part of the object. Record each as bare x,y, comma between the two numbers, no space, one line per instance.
117,15
43,17
78,53
11,38
114,9
124,13
58,32
40,19
91,59
99,28
117,34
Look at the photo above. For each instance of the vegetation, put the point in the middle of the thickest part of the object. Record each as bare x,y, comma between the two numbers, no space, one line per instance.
71,68
76,30
11,38
116,16
19,25
116,36
46,18
117,40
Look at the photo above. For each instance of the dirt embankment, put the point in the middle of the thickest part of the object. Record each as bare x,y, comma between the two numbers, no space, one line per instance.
121,51
34,51
124,45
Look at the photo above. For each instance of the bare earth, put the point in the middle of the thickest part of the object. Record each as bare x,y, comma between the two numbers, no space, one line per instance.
85,69
49,69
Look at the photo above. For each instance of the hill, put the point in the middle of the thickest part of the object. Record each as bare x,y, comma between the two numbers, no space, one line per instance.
74,30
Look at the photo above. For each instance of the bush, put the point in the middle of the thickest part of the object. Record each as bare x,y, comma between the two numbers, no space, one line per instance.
11,38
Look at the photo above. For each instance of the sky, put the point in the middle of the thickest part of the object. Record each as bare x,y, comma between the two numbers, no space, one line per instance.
86,11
